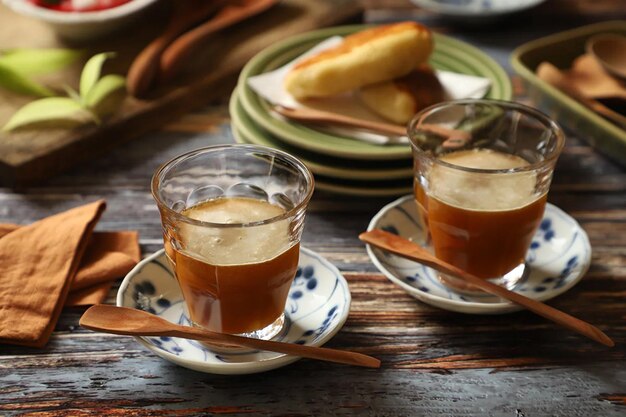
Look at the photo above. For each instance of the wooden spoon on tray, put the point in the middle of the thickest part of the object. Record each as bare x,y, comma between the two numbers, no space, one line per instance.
410,250
234,11
165,54
557,78
144,69
132,322
610,51
590,78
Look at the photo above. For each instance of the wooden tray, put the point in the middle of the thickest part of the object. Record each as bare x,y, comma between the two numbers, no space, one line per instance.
30,156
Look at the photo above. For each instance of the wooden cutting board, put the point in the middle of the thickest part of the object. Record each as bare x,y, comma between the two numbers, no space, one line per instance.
30,156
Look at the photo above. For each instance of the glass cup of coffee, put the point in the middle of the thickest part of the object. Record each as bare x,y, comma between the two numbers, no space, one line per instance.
232,219
482,170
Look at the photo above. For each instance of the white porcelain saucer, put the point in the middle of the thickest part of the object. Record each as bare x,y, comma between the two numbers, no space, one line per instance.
558,258
317,307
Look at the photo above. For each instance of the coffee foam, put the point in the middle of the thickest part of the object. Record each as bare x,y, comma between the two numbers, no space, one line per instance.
238,245
485,192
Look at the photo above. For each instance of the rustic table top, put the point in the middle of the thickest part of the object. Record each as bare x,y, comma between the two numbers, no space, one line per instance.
434,362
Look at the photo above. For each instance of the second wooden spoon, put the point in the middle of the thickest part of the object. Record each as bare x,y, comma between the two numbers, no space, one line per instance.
129,321
552,75
410,250
610,51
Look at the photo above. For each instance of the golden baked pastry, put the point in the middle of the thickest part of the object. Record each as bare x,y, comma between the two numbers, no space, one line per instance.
367,57
398,100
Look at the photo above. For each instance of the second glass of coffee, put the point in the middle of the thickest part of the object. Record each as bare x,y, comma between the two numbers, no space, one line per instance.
232,220
482,173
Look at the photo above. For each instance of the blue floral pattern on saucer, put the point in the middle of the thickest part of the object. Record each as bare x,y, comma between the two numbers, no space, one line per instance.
317,307
558,258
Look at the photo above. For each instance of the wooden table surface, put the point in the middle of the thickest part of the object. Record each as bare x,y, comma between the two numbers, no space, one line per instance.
434,362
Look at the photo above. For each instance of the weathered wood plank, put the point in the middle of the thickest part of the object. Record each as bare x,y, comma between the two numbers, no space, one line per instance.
435,362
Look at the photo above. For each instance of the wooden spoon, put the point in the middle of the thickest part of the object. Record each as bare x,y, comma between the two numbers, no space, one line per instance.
233,12
144,70
552,75
129,321
309,115
588,76
410,250
454,138
610,51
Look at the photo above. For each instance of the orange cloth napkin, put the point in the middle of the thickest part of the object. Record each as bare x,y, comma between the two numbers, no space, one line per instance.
54,262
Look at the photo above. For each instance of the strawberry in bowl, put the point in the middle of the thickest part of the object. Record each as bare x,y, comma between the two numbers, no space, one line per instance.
78,5
82,20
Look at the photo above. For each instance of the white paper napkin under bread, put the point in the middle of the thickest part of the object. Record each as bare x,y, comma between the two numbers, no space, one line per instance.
270,86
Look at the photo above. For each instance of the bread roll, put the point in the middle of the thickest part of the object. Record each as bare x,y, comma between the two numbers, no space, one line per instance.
398,100
367,57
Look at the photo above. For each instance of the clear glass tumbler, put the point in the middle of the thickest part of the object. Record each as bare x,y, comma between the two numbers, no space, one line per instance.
482,170
232,220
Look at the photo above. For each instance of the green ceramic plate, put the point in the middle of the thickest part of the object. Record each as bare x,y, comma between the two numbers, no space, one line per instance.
343,186
561,49
326,178
247,131
449,54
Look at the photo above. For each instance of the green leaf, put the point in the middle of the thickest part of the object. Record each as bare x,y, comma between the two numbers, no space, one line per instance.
103,88
91,72
71,93
28,61
49,110
18,83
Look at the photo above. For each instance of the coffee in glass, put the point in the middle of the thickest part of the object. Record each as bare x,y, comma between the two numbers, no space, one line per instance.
481,183
232,220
